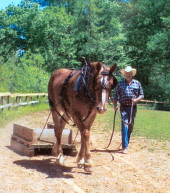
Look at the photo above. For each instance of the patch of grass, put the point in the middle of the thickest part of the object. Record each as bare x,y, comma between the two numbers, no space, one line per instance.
104,122
8,115
153,124
148,123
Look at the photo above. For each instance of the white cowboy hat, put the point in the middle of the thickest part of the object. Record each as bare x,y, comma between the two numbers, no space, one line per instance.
128,69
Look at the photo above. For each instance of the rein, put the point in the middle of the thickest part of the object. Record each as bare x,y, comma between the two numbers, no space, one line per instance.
131,113
114,119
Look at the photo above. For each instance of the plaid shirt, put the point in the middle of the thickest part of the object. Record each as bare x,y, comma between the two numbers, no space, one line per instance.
125,92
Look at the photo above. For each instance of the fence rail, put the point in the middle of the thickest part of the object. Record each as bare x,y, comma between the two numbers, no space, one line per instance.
8,100
156,102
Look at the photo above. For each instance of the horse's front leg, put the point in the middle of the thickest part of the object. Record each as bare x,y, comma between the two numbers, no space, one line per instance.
81,154
88,161
88,123
86,141
84,156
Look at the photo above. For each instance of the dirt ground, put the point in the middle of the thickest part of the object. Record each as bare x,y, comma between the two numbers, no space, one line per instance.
146,168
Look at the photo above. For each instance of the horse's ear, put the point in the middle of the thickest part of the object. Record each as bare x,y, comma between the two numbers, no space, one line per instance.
99,66
83,61
113,68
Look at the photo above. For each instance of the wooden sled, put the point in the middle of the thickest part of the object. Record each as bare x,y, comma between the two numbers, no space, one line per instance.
25,141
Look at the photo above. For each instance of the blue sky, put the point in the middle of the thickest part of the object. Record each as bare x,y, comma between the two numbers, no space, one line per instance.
5,3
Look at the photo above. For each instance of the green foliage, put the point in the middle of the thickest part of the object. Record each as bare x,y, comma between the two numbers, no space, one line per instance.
9,115
62,35
57,36
97,28
148,123
146,25
23,75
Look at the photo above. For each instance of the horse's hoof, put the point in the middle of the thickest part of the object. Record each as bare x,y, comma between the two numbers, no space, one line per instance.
60,160
88,168
80,163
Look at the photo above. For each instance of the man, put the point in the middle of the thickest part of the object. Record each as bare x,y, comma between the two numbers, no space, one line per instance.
128,92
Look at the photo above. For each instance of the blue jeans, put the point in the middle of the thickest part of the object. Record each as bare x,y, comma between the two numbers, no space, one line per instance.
127,129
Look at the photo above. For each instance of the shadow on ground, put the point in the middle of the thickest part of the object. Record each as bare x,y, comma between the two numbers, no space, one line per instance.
46,166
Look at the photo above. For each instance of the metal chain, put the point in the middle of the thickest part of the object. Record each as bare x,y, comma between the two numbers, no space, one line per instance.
44,126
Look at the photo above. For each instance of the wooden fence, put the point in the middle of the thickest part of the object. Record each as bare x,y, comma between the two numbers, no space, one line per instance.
157,105
156,102
8,100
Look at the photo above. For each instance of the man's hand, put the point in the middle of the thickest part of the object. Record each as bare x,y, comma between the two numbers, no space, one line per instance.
115,108
136,100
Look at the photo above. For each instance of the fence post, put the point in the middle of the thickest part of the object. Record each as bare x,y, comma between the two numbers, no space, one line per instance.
17,98
2,100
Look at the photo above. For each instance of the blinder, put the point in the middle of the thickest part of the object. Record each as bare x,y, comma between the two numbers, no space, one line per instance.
108,73
114,83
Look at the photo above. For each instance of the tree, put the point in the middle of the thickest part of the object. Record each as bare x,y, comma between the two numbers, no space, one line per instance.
97,28
146,27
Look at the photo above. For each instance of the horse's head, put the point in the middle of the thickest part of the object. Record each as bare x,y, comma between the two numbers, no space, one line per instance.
103,83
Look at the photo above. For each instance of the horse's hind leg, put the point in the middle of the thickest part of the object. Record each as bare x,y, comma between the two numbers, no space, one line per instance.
59,125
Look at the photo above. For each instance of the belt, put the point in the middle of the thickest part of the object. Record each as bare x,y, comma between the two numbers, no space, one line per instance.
122,105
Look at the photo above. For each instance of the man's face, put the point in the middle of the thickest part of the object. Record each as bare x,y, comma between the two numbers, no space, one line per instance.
128,75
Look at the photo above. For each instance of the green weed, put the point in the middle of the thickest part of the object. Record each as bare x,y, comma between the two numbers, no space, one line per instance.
8,115
148,123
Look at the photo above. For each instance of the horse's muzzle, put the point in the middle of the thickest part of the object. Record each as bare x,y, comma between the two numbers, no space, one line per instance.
101,110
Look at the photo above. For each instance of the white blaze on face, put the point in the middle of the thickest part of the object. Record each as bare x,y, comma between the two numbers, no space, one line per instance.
104,81
103,96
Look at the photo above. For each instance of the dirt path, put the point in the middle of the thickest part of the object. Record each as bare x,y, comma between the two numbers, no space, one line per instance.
145,169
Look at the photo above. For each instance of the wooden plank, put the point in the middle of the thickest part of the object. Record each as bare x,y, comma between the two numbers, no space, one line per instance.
150,101
21,140
5,94
5,106
23,132
17,146
33,102
32,135
38,144
28,94
25,138
23,104
21,148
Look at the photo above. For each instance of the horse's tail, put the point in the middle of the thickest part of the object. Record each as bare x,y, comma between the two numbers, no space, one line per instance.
50,92
50,102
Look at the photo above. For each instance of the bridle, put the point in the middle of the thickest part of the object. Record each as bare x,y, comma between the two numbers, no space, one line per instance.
86,74
105,74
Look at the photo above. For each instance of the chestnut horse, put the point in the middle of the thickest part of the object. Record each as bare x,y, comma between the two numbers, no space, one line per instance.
79,96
